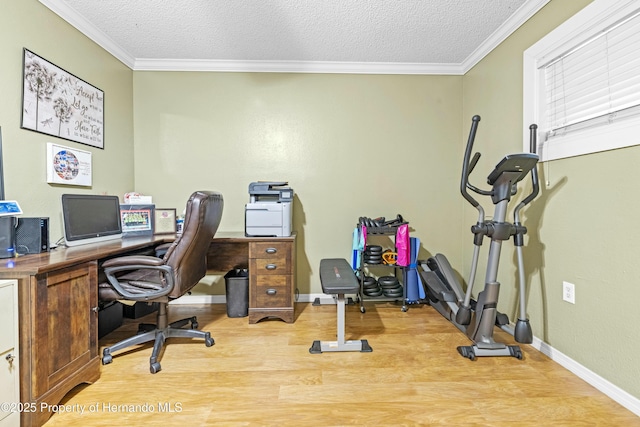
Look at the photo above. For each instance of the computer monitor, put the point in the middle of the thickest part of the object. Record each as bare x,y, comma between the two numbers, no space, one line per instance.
90,218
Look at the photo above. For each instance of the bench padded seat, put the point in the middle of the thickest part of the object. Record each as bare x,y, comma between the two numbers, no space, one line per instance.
337,277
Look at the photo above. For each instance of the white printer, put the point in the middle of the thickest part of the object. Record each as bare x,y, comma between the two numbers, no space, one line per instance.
269,210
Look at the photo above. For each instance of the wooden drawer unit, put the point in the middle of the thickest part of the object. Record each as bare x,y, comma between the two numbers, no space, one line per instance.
56,327
271,279
59,336
9,379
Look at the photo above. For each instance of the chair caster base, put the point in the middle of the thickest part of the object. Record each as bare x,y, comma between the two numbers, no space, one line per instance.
194,322
208,341
106,359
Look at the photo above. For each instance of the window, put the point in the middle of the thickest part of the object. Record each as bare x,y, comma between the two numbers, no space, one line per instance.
582,82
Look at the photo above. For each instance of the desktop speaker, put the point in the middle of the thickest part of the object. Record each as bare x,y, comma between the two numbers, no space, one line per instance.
7,236
32,235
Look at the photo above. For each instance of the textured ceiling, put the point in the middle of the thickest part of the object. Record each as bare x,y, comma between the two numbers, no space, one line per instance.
374,34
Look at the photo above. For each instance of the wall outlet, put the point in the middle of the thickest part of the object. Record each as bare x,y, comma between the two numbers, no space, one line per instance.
569,292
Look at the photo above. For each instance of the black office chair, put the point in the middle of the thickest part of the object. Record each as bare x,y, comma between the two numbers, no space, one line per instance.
154,279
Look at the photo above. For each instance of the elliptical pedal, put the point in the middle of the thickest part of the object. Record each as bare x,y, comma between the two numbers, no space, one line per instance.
502,319
468,351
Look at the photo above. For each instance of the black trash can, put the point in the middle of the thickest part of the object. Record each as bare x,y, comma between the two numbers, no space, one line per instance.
237,291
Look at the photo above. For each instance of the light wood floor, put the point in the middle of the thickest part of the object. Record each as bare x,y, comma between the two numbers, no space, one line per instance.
263,374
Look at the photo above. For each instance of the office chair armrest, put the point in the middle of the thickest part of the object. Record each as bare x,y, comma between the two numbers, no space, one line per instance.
137,288
162,249
132,260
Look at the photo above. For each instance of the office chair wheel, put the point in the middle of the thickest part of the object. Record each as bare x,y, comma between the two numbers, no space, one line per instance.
194,322
155,367
106,359
208,341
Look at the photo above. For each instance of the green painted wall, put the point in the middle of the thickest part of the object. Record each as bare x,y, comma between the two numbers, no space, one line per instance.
581,228
28,24
349,145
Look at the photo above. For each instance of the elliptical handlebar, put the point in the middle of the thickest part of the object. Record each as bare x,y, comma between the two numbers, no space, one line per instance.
533,144
468,164
472,165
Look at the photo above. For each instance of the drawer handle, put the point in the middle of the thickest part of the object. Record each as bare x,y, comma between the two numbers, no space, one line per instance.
271,291
270,266
271,251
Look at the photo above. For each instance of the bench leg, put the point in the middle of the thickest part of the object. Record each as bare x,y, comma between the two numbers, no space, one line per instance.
340,344
331,301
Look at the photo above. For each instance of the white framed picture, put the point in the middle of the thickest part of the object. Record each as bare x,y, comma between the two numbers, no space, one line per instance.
68,166
165,221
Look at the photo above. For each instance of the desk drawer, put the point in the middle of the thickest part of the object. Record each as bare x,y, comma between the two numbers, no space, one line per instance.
269,266
272,271
270,250
271,291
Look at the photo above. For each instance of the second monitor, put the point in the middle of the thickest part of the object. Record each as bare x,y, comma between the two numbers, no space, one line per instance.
90,218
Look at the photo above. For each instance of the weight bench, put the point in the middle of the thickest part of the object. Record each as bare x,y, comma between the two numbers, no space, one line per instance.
337,278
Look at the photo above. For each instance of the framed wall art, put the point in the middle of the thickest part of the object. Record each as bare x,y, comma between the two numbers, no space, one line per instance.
68,166
165,221
57,103
137,220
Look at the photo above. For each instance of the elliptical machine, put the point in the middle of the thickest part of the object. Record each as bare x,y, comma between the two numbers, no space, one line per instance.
477,318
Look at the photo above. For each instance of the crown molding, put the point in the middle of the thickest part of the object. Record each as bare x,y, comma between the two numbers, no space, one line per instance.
522,15
76,20
325,67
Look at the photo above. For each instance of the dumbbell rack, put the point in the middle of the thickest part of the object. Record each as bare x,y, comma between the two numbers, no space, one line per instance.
398,271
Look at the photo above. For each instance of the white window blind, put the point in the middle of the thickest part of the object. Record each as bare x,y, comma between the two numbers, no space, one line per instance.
588,85
582,82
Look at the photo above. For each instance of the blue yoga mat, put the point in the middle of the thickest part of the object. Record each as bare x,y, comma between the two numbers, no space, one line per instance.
415,290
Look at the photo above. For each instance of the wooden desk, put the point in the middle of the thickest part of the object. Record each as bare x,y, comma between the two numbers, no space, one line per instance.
58,320
58,305
272,270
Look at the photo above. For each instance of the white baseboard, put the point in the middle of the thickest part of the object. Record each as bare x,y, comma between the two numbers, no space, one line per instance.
199,299
311,297
221,299
606,387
